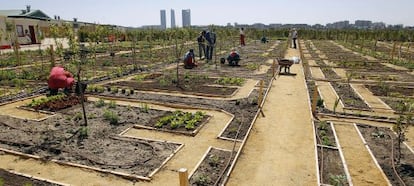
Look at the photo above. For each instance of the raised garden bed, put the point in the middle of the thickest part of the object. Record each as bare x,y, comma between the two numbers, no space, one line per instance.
349,97
390,90
195,89
331,168
178,122
211,168
62,138
380,140
53,103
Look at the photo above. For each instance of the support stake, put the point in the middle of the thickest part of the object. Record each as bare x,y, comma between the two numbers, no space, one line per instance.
315,99
260,99
183,176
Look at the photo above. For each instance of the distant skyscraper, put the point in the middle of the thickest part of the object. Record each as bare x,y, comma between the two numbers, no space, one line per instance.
172,18
163,19
186,13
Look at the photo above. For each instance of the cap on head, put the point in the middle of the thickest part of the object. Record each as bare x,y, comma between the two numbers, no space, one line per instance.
191,50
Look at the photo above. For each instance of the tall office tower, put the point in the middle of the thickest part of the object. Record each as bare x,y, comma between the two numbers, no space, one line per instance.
172,18
163,19
186,13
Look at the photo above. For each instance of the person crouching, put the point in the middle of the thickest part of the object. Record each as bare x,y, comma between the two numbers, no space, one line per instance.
60,78
189,60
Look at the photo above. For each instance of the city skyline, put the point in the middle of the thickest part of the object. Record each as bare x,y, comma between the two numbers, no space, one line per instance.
139,13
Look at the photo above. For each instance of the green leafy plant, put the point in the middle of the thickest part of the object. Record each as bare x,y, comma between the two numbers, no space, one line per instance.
179,118
114,90
83,132
326,141
112,117
230,81
144,108
202,180
78,116
100,103
319,103
112,104
213,160
337,180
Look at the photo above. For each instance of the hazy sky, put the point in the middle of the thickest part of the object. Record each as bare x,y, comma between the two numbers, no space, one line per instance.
220,12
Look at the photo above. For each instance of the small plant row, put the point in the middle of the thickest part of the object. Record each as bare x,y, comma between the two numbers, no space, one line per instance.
179,118
41,101
323,134
230,81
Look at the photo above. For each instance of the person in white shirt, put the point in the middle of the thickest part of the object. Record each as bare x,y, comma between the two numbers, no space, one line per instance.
294,37
242,36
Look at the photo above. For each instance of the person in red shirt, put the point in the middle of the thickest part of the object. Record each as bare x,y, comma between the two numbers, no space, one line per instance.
189,60
60,78
233,58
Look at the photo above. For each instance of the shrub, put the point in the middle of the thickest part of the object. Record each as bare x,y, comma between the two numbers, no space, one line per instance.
144,108
83,132
112,117
100,103
112,104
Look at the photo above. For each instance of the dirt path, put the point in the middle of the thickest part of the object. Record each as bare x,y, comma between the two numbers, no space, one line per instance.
360,164
280,150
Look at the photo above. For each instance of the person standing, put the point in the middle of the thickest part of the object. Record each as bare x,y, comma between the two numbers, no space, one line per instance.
201,45
211,41
242,36
294,37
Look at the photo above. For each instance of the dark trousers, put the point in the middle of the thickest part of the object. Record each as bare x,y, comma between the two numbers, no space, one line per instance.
201,50
209,52
294,43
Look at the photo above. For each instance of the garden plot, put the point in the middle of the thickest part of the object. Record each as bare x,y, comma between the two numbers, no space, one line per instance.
331,163
63,145
62,138
383,144
190,84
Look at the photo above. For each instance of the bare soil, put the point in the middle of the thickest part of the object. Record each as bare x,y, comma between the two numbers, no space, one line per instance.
349,97
380,141
387,90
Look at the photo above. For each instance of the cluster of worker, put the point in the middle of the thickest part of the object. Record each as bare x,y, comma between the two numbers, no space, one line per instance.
60,78
206,44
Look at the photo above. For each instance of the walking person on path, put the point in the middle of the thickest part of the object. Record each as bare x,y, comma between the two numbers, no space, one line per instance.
201,45
294,37
211,41
242,36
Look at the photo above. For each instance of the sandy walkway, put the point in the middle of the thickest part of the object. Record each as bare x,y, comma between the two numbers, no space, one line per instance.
360,164
280,150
